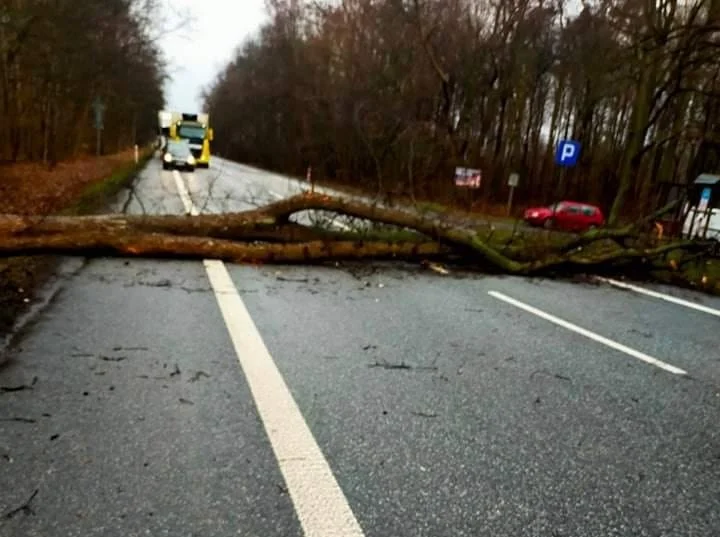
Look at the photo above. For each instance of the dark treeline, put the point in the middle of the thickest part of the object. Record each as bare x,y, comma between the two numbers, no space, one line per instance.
393,94
57,56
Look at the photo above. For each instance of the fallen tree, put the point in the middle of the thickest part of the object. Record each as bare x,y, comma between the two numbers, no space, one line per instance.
269,234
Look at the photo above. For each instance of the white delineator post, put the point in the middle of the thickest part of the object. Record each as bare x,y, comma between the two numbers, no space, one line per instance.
137,154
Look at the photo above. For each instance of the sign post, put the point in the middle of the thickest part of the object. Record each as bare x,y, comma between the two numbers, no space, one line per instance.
513,181
567,156
99,109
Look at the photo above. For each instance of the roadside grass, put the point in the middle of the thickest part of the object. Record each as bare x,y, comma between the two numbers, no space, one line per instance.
97,196
20,277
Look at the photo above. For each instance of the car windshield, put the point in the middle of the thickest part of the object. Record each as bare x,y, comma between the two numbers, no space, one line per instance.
191,131
178,148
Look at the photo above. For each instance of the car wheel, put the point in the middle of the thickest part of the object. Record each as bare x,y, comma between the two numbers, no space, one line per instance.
549,223
165,166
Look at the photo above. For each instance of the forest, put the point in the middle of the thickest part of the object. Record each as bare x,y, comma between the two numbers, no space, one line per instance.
57,58
391,95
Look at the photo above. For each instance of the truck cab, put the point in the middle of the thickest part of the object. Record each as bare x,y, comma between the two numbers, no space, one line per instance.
196,130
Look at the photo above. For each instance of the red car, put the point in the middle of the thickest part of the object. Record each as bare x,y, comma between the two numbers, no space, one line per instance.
566,215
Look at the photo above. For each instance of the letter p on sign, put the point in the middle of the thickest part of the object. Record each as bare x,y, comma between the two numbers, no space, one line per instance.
568,153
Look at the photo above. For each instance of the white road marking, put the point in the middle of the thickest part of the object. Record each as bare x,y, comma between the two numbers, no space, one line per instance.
661,296
588,334
319,502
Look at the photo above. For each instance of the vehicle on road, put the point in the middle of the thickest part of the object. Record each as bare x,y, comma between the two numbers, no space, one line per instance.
177,155
195,129
566,215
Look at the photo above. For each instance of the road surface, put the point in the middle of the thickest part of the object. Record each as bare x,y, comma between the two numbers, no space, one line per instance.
202,399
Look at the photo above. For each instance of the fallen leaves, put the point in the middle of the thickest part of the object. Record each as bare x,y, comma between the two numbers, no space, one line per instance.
31,189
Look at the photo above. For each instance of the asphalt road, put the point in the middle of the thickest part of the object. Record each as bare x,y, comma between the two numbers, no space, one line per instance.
189,399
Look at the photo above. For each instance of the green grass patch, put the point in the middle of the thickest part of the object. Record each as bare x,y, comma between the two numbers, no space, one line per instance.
99,195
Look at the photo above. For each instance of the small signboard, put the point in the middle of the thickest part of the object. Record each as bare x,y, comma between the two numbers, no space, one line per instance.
99,109
704,199
468,178
568,153
514,180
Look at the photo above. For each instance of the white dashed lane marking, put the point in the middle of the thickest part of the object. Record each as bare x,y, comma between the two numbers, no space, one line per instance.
588,334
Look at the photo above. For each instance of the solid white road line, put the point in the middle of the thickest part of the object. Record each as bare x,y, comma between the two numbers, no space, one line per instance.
588,334
661,296
319,502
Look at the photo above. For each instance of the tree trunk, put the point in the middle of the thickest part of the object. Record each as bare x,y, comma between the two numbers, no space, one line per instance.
265,235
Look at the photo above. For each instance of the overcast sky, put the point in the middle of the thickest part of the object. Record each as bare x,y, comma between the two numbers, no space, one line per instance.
201,48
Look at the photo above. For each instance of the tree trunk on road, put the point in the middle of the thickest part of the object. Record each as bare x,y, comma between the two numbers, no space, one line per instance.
267,235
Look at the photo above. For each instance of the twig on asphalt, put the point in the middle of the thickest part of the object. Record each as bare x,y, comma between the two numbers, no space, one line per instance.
386,365
19,420
25,508
113,358
402,365
547,373
198,375
21,387
424,414
293,280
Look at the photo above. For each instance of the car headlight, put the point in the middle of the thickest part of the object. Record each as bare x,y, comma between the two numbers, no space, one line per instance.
191,160
167,157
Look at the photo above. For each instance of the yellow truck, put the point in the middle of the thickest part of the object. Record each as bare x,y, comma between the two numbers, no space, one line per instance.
195,128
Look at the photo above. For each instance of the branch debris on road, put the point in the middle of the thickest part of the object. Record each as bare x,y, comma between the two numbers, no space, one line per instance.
197,376
113,358
386,365
268,235
21,387
548,374
402,366
424,414
19,420
25,508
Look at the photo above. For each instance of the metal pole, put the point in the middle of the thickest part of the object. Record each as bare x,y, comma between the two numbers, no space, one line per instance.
98,141
510,200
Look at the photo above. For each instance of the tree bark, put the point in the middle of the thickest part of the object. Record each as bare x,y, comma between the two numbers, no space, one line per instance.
266,235
101,243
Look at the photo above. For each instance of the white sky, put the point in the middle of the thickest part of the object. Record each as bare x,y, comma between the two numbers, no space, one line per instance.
198,50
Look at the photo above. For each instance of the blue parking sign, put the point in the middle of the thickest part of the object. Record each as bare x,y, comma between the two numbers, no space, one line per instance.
704,199
568,153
